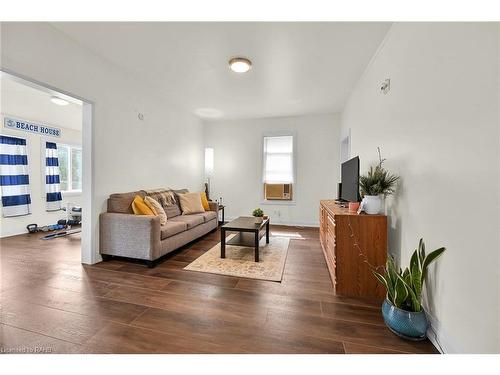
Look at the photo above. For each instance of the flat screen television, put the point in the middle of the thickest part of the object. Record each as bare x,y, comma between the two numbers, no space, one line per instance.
350,180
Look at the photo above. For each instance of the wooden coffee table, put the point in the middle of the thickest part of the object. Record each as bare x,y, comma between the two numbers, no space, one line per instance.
250,229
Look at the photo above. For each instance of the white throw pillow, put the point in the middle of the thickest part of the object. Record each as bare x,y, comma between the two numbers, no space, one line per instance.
156,207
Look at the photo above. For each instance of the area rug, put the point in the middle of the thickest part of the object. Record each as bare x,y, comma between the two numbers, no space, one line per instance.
240,261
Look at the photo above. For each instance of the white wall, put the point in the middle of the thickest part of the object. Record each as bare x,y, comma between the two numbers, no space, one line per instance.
36,167
439,129
166,149
238,165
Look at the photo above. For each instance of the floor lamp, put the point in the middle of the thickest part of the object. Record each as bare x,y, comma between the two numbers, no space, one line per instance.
209,168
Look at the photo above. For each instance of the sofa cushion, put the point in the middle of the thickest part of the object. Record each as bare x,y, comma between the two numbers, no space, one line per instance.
191,220
171,228
174,210
209,215
121,203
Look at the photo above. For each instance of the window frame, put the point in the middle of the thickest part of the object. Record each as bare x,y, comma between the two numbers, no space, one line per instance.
70,146
280,133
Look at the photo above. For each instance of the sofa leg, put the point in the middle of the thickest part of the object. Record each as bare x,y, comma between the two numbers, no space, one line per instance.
106,257
150,263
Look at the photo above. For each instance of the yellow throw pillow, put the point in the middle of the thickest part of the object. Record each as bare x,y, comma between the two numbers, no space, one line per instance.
204,201
157,209
190,203
140,208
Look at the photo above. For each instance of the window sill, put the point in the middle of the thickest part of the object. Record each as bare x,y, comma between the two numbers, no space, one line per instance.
71,193
278,203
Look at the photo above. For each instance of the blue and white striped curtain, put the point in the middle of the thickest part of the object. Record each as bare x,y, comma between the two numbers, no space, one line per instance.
52,180
14,178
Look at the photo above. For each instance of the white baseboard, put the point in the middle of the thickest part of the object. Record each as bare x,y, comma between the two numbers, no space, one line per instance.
14,234
439,338
287,224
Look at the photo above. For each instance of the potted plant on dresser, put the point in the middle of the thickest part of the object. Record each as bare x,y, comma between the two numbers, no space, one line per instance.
402,309
376,183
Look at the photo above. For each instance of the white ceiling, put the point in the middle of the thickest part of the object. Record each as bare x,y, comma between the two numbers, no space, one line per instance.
28,103
298,68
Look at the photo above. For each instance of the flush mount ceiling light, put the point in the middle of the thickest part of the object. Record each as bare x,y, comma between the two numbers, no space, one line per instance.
240,64
208,112
58,101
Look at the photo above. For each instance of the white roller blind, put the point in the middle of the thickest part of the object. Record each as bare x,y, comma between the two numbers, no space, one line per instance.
278,160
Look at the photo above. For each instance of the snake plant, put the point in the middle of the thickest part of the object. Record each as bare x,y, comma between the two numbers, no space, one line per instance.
404,288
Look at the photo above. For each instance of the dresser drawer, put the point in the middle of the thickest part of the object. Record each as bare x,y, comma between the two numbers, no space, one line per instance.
331,268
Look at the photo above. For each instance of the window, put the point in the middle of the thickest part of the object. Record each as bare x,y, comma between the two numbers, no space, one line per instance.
70,168
278,167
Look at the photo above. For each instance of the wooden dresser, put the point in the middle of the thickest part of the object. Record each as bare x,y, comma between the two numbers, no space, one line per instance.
339,231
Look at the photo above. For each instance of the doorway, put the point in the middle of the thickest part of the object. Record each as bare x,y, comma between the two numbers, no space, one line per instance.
55,128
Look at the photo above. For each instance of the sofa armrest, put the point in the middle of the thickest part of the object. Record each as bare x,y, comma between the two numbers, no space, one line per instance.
132,236
213,206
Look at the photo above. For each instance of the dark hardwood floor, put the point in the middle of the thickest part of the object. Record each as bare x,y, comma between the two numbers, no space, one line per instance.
51,302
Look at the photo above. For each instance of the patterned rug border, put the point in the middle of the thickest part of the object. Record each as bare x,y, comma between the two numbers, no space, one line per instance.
240,276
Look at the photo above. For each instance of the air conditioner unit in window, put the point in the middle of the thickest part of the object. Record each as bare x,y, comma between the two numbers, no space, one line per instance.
282,192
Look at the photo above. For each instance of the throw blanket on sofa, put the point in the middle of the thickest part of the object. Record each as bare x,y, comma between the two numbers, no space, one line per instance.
164,197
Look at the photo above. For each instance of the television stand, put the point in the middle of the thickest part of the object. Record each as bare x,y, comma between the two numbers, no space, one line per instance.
352,244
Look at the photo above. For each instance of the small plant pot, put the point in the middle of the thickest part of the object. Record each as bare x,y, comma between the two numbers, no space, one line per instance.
372,204
406,324
265,217
259,219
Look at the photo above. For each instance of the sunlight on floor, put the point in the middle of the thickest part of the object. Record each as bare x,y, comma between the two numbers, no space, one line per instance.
287,234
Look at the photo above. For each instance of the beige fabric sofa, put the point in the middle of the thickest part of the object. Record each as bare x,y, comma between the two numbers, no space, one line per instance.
121,233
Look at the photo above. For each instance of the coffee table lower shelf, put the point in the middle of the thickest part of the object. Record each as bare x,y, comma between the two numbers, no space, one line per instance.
244,239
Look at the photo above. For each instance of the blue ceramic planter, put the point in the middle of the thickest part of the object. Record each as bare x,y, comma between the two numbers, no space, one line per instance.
407,324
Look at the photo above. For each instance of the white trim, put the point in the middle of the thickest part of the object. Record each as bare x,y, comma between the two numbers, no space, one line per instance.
347,141
279,133
90,230
72,192
70,147
19,78
286,224
270,202
439,338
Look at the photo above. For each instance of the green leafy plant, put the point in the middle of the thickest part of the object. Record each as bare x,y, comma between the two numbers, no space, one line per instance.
378,180
258,212
404,288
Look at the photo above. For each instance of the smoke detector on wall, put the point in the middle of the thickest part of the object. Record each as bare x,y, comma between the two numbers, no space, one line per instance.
385,87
